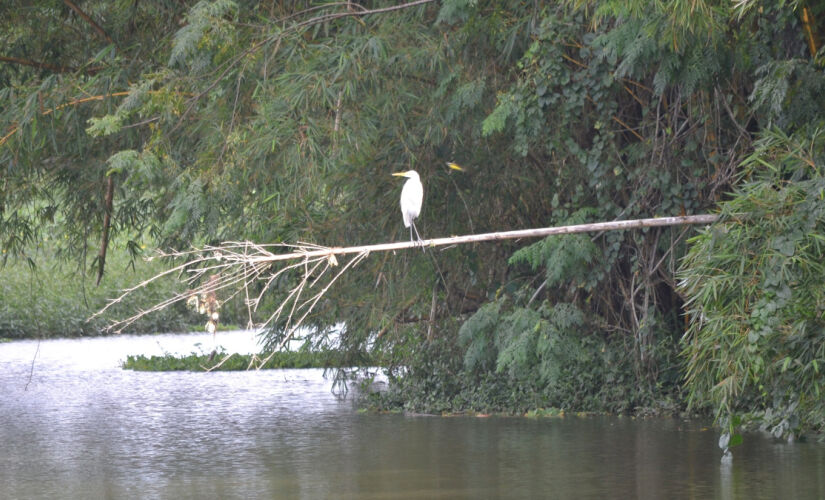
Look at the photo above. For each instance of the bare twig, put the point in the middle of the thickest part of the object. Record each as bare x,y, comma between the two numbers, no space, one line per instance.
31,370
107,216
225,358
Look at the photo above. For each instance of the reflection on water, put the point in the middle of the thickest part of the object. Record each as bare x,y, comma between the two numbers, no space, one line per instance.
84,428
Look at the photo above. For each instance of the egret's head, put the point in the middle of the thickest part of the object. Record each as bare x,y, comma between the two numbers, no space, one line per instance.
409,174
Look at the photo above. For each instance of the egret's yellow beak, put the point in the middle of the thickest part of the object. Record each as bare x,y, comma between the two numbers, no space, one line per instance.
400,174
455,166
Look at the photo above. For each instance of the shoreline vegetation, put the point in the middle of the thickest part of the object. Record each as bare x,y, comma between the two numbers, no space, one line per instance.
54,298
371,400
220,360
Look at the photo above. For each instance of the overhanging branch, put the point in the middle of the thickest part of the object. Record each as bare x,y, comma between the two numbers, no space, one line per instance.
505,235
235,266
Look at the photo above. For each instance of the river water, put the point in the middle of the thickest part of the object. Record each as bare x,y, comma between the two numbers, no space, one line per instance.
74,425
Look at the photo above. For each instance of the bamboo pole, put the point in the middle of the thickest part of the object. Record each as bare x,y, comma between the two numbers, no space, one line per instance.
505,235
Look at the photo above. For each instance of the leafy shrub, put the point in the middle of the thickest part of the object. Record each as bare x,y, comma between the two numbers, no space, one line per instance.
755,287
517,359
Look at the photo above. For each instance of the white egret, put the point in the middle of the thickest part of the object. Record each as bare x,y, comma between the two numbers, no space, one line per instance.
411,197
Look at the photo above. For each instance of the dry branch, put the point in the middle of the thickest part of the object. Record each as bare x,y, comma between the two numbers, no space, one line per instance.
86,17
506,235
236,266
38,64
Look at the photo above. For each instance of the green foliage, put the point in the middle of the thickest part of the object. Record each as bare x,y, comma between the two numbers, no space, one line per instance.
478,336
755,285
587,108
564,258
790,94
454,11
673,21
430,383
204,27
218,361
547,359
496,121
49,300
531,342
555,351
545,413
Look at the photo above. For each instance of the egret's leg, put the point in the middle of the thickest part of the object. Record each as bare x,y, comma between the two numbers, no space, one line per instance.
418,236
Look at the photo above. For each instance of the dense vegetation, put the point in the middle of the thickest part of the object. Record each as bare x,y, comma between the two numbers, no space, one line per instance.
756,284
172,123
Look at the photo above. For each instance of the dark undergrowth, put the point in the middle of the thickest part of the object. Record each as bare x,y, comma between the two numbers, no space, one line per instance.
438,382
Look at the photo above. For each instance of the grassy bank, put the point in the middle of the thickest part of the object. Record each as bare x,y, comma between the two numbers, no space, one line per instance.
55,299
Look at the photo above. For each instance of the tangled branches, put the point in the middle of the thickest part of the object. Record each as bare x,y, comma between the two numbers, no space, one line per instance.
236,267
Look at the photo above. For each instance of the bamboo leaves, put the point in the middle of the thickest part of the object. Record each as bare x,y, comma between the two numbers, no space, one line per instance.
755,295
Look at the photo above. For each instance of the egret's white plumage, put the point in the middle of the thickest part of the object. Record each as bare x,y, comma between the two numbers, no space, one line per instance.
412,195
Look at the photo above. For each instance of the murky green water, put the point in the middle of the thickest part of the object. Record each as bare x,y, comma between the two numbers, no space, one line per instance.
78,426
